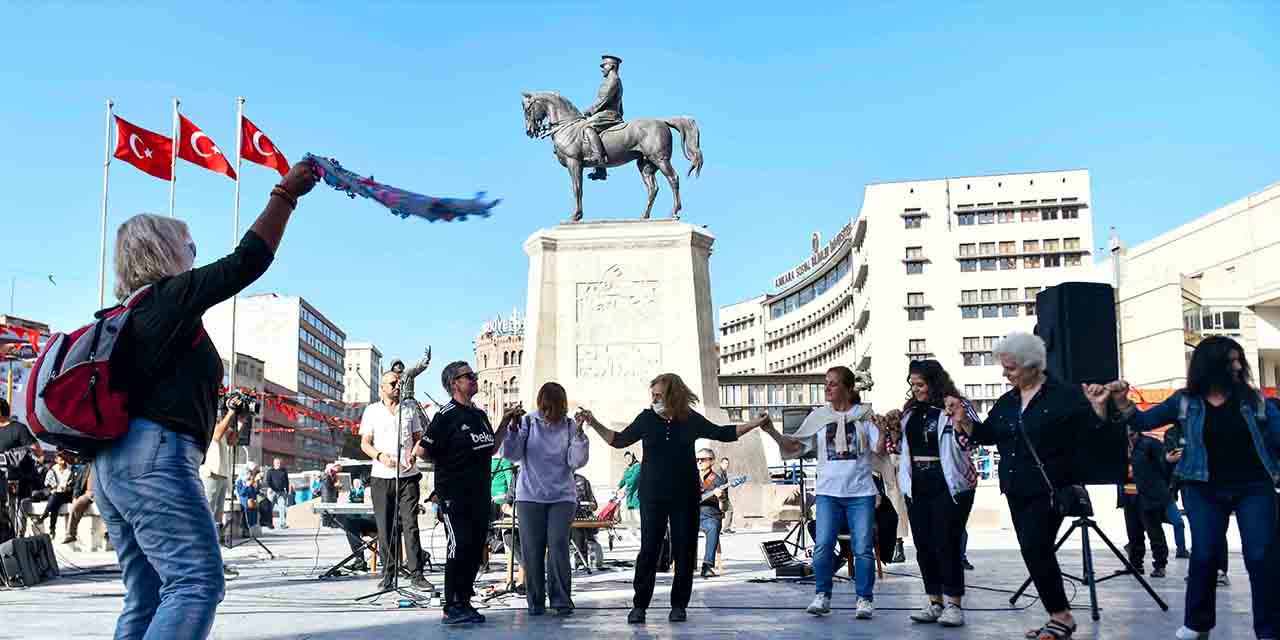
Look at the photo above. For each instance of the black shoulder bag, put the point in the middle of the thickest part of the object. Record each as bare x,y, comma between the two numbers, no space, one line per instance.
1071,501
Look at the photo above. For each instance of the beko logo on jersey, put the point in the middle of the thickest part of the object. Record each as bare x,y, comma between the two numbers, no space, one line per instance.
481,438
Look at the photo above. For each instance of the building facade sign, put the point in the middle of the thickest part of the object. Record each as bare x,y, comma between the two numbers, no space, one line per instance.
819,256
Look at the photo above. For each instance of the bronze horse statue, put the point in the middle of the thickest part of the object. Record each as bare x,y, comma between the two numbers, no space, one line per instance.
647,141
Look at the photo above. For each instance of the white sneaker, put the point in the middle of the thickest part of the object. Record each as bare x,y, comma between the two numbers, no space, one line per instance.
1223,580
820,606
1188,634
952,616
929,614
865,610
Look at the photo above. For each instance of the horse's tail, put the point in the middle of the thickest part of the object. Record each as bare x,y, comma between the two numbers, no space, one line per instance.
688,129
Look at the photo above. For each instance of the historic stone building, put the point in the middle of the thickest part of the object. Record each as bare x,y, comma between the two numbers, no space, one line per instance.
499,354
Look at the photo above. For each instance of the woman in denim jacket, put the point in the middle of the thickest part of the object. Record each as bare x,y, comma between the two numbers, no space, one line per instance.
1230,464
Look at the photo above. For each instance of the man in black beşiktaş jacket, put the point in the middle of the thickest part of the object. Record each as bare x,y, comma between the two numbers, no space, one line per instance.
1144,498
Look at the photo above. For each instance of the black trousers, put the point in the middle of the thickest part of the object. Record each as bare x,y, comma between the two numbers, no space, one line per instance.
655,516
466,525
938,522
1037,528
1140,524
384,498
52,506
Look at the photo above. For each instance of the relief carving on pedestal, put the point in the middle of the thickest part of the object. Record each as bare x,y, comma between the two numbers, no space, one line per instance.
635,360
614,298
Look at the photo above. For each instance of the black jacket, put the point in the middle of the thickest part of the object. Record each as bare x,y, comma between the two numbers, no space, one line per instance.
1058,420
1149,474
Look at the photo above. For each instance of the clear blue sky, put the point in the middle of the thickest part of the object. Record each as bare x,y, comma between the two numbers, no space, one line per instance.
1173,110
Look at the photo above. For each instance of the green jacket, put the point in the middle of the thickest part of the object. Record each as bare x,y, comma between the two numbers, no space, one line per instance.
631,480
501,471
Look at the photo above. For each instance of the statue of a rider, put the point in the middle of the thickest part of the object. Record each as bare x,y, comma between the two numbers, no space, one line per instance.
606,112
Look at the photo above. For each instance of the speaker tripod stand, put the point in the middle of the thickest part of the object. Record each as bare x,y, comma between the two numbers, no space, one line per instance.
1086,524
228,539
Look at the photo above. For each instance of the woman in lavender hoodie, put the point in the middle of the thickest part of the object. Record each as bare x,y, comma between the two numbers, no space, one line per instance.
549,447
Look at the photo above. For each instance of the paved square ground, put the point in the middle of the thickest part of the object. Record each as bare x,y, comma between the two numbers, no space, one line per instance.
282,598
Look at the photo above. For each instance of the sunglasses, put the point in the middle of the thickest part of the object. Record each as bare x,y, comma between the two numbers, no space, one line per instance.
705,459
394,384
471,375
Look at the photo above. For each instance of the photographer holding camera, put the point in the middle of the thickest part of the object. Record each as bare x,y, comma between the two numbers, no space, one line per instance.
217,471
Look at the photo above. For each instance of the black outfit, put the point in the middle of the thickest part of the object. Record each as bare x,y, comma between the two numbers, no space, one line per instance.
1144,511
460,441
383,494
938,519
1058,421
1233,458
669,493
278,481
584,539
169,364
16,465
54,503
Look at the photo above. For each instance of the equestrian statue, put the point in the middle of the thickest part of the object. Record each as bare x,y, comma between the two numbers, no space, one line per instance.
600,139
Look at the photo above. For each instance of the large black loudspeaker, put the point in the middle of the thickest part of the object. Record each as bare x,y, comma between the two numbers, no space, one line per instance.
1077,321
28,561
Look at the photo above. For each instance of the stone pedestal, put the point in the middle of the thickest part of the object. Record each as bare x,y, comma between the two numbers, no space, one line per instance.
612,304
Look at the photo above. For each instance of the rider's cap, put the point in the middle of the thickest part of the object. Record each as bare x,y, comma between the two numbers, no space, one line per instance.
608,58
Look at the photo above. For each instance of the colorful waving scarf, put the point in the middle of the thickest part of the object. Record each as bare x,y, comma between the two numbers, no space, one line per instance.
400,202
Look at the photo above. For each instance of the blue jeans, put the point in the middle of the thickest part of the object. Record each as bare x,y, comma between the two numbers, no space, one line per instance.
1175,519
710,525
1209,508
147,488
860,514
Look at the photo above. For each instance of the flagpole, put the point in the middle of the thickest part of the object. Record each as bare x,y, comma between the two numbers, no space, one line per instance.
173,160
235,232
102,247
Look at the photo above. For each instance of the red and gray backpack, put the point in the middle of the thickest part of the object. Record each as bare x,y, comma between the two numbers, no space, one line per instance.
71,402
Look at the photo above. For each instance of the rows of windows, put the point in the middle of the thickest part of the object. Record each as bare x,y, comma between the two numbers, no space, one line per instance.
1027,211
977,351
829,314
511,358
817,356
792,394
997,303
319,365
320,345
807,294
1010,247
320,326
1008,264
742,324
323,387
988,391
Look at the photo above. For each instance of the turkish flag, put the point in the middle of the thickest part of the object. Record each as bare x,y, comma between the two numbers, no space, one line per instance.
257,147
146,150
197,148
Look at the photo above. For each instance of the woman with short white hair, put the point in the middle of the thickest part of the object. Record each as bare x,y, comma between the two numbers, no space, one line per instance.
1057,417
146,483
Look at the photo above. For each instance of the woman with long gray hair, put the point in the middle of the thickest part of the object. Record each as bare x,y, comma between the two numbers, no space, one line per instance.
1058,418
146,483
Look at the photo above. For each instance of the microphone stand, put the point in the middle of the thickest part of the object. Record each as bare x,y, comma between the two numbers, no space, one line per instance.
395,530
230,532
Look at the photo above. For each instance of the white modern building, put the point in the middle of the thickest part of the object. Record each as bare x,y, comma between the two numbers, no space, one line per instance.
362,373
301,350
928,269
1215,275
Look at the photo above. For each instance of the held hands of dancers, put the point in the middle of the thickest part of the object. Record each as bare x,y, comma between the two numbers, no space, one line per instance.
954,408
511,418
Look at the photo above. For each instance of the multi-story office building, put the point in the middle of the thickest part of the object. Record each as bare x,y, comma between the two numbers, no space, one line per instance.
929,269
302,351
499,351
363,371
1214,275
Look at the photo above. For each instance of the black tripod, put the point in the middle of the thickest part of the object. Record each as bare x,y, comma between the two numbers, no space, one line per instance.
395,536
1085,524
800,530
229,532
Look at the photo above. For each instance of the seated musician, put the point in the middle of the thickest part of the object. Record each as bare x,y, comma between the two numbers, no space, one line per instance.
584,540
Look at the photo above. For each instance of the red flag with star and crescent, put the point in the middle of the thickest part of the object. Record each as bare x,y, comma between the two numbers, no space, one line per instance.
257,147
198,149
147,150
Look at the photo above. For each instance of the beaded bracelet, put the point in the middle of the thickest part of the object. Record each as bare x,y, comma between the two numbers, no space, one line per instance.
284,194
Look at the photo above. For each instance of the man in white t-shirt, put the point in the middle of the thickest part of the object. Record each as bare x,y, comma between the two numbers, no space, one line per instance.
217,471
847,442
378,429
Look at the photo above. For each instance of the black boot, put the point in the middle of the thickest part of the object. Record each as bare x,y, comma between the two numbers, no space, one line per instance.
599,173
707,571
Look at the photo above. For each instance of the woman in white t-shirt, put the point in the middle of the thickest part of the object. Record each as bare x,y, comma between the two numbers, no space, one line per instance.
847,441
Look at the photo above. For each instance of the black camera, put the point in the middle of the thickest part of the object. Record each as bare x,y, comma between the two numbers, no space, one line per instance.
241,403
